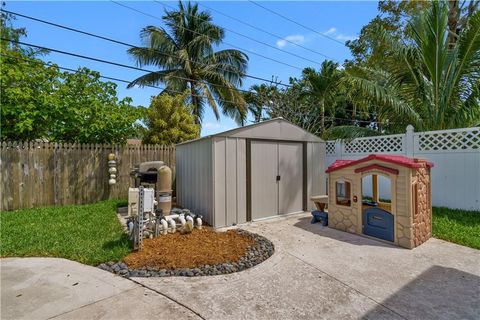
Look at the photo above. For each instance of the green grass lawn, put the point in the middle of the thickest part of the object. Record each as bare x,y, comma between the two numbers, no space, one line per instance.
458,226
92,234
89,234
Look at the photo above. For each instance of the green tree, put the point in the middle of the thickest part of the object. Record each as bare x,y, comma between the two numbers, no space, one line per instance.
88,110
323,86
392,17
169,121
184,52
261,98
27,96
427,82
40,102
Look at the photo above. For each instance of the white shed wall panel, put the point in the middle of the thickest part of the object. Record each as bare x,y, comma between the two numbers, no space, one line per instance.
230,181
316,176
194,177
212,171
290,169
264,187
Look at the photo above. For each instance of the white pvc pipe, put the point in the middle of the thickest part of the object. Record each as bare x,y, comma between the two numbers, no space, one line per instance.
172,224
189,218
182,220
199,223
172,216
164,226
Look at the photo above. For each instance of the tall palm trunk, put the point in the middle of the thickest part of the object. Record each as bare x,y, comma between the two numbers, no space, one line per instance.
453,14
195,103
322,117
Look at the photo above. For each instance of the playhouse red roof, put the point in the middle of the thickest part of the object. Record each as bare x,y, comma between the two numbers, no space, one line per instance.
395,159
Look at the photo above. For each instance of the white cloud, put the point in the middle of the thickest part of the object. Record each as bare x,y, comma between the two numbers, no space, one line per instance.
339,36
295,38
343,37
330,31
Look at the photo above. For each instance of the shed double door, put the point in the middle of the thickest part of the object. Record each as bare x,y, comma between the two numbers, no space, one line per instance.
276,178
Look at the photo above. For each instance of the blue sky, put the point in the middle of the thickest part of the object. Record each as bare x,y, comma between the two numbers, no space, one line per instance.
340,20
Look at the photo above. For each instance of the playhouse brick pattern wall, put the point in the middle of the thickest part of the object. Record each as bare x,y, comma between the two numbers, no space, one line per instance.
412,214
402,215
341,217
422,218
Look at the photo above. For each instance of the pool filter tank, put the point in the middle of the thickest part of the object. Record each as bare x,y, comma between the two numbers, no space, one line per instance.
164,189
156,175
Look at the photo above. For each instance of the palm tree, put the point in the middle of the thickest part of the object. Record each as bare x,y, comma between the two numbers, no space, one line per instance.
184,52
323,86
261,99
429,82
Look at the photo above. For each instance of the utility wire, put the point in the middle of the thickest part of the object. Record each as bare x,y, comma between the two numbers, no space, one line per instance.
109,78
193,31
264,31
255,40
123,43
113,63
295,22
155,87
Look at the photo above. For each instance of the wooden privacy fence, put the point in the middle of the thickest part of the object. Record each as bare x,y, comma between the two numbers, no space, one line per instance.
36,174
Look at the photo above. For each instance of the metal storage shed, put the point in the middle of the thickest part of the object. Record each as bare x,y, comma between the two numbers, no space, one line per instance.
249,173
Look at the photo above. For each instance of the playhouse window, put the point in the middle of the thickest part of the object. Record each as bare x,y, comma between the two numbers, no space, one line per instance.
343,193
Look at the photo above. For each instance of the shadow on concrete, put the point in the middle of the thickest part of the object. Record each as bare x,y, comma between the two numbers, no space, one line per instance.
437,293
318,229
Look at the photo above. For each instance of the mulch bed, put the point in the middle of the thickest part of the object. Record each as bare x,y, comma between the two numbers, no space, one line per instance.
200,253
204,246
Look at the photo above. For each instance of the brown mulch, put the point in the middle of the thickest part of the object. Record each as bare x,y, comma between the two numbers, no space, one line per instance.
201,247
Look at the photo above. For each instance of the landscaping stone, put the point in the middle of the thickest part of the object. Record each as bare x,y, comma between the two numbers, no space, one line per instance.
254,255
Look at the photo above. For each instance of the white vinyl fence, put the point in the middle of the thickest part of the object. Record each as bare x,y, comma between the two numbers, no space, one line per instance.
455,154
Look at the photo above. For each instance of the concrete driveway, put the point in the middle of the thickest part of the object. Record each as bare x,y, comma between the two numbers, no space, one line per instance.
50,288
316,273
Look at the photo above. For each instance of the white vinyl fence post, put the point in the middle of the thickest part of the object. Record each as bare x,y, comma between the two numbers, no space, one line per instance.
338,149
409,143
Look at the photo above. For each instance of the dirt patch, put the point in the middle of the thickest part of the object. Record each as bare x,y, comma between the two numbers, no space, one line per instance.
201,247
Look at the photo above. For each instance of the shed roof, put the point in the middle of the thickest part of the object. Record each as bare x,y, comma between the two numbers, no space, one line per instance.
273,129
395,159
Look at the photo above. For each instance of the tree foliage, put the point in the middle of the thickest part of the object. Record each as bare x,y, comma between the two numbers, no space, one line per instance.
392,17
184,53
324,86
426,82
38,101
169,121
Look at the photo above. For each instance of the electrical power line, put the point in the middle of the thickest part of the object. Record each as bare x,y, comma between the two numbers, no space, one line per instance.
257,41
140,69
295,22
114,63
110,78
193,31
264,31
108,62
70,70
123,43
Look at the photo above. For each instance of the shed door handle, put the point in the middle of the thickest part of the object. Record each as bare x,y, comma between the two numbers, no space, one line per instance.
278,178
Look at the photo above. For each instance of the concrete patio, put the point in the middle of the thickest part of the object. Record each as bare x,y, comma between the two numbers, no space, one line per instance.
316,273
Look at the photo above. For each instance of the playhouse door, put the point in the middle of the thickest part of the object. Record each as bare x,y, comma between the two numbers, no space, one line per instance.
378,223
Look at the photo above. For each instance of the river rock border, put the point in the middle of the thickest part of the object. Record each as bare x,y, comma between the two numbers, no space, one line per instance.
259,252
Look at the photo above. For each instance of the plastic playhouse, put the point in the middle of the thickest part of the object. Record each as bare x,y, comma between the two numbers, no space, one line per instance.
403,218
